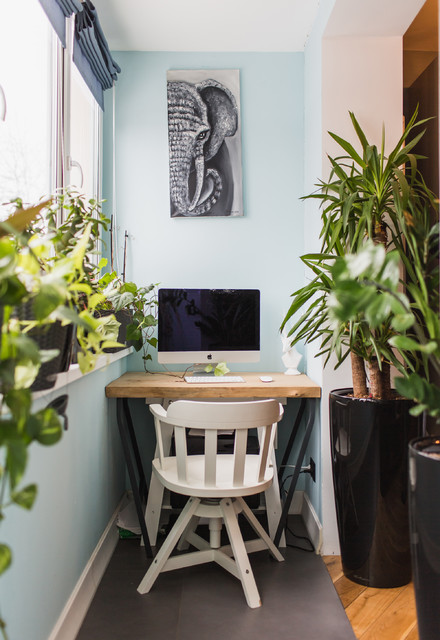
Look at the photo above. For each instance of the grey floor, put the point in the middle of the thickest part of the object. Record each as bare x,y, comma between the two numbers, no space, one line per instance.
207,603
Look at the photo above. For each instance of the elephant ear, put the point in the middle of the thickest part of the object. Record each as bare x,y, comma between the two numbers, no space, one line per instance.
222,114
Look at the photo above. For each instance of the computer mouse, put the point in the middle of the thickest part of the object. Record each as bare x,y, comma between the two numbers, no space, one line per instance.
266,379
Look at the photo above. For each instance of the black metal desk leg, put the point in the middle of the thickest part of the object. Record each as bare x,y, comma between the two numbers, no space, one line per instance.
130,448
291,440
285,512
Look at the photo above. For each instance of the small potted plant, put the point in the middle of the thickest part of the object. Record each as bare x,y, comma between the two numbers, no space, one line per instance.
136,308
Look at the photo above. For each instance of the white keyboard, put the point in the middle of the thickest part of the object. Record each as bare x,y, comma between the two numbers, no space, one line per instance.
201,379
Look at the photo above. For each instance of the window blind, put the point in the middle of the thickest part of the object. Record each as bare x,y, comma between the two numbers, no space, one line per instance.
91,53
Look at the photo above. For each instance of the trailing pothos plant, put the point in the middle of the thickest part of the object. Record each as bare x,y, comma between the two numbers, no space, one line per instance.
384,200
31,274
142,304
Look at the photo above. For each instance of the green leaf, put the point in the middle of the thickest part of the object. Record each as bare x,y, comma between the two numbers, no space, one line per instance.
5,558
16,460
133,333
405,342
25,497
46,301
403,321
19,402
44,426
221,369
349,149
418,410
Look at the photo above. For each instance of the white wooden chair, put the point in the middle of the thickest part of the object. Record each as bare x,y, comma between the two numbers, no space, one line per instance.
216,484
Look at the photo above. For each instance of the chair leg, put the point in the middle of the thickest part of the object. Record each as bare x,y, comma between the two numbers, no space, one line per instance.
183,544
259,530
239,550
273,505
153,508
169,544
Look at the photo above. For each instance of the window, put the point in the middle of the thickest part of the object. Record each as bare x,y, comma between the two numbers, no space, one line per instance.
27,79
82,129
50,137
82,157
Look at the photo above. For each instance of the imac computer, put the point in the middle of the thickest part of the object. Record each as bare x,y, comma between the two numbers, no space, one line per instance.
207,326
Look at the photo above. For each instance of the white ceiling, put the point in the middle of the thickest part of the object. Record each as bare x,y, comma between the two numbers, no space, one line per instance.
206,25
366,18
243,25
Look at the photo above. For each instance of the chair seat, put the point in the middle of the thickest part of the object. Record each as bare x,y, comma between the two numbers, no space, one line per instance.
195,484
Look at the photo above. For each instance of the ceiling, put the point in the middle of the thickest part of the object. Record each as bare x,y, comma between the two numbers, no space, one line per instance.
206,25
252,25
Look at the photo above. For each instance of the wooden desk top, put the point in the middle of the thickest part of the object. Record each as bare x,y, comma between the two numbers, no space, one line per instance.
136,384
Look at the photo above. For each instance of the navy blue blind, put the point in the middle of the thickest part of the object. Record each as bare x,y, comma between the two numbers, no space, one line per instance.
91,54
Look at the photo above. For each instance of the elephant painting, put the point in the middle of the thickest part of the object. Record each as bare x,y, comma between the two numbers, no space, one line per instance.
202,118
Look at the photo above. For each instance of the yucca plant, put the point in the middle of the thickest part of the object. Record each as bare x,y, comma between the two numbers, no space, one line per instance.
369,197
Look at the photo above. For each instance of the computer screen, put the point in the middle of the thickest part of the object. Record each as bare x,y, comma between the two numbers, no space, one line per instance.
208,326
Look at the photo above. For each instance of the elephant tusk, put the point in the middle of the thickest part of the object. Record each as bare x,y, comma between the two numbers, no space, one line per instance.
200,170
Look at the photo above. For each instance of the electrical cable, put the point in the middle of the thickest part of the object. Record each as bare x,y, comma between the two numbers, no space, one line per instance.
288,529
298,537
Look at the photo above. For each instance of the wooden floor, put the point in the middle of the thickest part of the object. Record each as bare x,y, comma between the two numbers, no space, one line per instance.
375,614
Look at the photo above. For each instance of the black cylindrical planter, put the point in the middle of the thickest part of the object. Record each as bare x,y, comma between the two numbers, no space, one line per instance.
424,509
369,443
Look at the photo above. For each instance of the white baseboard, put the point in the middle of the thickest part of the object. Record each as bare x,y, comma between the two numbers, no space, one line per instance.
302,506
73,614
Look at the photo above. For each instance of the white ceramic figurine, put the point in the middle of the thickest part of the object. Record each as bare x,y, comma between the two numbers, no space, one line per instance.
291,358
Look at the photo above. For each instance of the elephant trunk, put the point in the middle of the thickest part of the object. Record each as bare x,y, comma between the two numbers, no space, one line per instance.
179,187
200,171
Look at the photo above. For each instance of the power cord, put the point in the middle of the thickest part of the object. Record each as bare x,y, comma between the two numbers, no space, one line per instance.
287,528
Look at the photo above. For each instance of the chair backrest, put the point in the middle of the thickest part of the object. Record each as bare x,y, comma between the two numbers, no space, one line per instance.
212,419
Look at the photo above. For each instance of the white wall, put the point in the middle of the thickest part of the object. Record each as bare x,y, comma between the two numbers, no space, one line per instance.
362,75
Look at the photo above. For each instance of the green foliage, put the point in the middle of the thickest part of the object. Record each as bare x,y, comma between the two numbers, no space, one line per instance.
142,303
49,270
369,197
221,369
67,219
361,280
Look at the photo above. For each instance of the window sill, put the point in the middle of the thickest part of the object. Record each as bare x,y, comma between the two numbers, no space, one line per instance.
74,373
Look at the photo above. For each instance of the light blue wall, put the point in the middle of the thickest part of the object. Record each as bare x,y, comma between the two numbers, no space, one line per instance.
259,250
80,482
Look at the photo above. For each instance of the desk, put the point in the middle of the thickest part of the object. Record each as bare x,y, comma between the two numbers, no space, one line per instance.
161,386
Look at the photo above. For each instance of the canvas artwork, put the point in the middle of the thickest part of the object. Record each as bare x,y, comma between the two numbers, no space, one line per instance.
204,136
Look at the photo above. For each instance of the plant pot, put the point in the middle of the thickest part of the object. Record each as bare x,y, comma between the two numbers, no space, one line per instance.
369,446
49,336
424,510
55,336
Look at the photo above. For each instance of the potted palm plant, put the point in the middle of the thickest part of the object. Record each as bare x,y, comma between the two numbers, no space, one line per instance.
370,197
